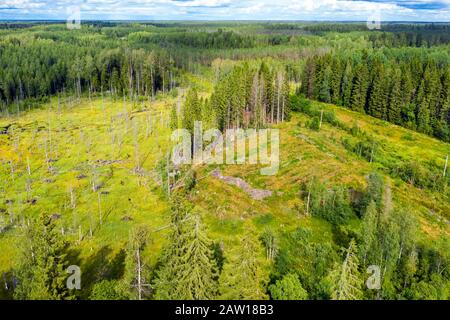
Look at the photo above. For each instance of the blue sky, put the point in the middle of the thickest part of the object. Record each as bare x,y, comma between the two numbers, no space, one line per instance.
399,10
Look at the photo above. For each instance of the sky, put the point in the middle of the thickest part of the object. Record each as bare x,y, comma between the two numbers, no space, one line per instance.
335,10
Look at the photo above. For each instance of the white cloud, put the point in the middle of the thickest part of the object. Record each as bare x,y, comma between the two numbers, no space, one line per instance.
230,9
21,4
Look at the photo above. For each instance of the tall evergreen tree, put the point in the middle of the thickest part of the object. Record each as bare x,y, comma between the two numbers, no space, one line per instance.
198,278
308,78
242,275
346,281
359,88
395,98
377,102
336,78
324,86
423,109
188,269
41,273
191,111
346,85
369,233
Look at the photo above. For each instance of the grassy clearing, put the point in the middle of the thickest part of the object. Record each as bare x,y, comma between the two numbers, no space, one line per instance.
91,166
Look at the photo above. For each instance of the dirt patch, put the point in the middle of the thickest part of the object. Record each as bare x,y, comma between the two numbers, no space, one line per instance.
256,194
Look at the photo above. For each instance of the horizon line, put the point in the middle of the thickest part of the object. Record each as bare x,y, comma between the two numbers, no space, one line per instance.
220,20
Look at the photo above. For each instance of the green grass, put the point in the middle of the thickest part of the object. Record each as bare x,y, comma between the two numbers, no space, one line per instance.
79,152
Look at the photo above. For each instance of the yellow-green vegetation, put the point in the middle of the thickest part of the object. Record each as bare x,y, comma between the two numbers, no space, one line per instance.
92,165
307,153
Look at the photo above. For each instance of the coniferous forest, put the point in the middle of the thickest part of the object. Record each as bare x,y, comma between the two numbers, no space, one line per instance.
93,208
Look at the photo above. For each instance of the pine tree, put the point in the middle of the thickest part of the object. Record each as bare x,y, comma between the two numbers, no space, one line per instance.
359,88
191,110
423,110
197,279
324,86
174,118
377,105
42,268
241,278
308,78
188,269
336,77
346,85
369,232
395,99
346,282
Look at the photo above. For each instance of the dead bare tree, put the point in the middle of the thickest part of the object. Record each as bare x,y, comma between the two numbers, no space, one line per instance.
137,243
445,166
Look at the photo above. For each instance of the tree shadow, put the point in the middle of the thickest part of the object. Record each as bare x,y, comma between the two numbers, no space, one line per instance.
101,265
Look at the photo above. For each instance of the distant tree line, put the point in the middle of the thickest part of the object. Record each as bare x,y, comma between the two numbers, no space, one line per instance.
206,40
403,87
391,34
43,67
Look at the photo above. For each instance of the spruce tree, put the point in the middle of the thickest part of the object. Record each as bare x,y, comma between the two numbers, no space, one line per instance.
188,269
191,110
395,99
197,276
423,110
407,87
308,78
336,77
42,268
369,232
345,279
242,276
359,88
324,86
377,105
346,85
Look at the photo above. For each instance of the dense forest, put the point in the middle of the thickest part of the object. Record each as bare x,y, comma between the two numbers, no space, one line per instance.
406,87
363,187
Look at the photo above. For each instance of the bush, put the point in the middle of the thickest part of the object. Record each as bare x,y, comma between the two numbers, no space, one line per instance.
332,205
288,288
106,290
374,192
300,104
314,124
414,173
366,148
